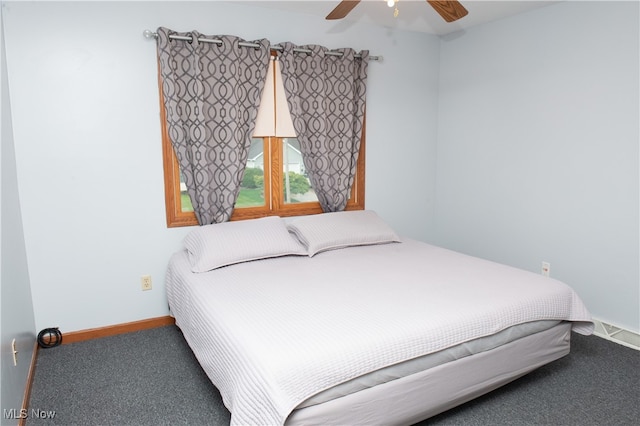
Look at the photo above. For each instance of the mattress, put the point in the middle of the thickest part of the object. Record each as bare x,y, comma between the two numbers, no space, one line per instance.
415,365
271,334
413,398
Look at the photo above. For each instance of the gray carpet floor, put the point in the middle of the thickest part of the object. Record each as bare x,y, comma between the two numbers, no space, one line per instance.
151,378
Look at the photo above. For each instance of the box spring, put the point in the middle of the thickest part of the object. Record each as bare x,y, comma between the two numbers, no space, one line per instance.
424,394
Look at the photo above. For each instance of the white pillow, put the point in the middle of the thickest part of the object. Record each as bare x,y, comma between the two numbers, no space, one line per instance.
214,246
328,231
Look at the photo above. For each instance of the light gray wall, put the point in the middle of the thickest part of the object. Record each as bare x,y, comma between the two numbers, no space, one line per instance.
16,309
88,153
538,148
530,168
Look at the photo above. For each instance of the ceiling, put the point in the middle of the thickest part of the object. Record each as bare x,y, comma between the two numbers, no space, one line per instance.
414,15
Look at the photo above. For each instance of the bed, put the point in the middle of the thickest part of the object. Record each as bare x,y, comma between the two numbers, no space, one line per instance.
335,319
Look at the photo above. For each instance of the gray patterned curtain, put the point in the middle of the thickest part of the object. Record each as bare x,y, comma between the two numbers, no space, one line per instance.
326,97
211,96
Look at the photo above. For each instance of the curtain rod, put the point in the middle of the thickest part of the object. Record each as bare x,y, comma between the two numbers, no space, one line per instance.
150,34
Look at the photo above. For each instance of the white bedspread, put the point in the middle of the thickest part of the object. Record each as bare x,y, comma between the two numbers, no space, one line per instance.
272,333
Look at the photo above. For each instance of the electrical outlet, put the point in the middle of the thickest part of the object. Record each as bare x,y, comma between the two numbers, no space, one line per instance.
145,281
546,269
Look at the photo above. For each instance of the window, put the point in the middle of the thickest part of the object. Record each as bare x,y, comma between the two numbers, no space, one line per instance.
274,183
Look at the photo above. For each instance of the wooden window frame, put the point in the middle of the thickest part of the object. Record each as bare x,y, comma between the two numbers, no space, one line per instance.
273,176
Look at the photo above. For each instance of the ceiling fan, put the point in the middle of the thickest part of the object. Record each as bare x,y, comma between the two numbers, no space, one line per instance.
449,10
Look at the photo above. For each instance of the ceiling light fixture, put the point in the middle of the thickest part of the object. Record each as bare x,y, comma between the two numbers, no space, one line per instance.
393,3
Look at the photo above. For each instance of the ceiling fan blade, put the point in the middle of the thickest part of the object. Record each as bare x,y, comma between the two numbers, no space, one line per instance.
342,9
449,10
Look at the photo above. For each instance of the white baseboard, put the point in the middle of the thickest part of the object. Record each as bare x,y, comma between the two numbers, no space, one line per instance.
617,334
